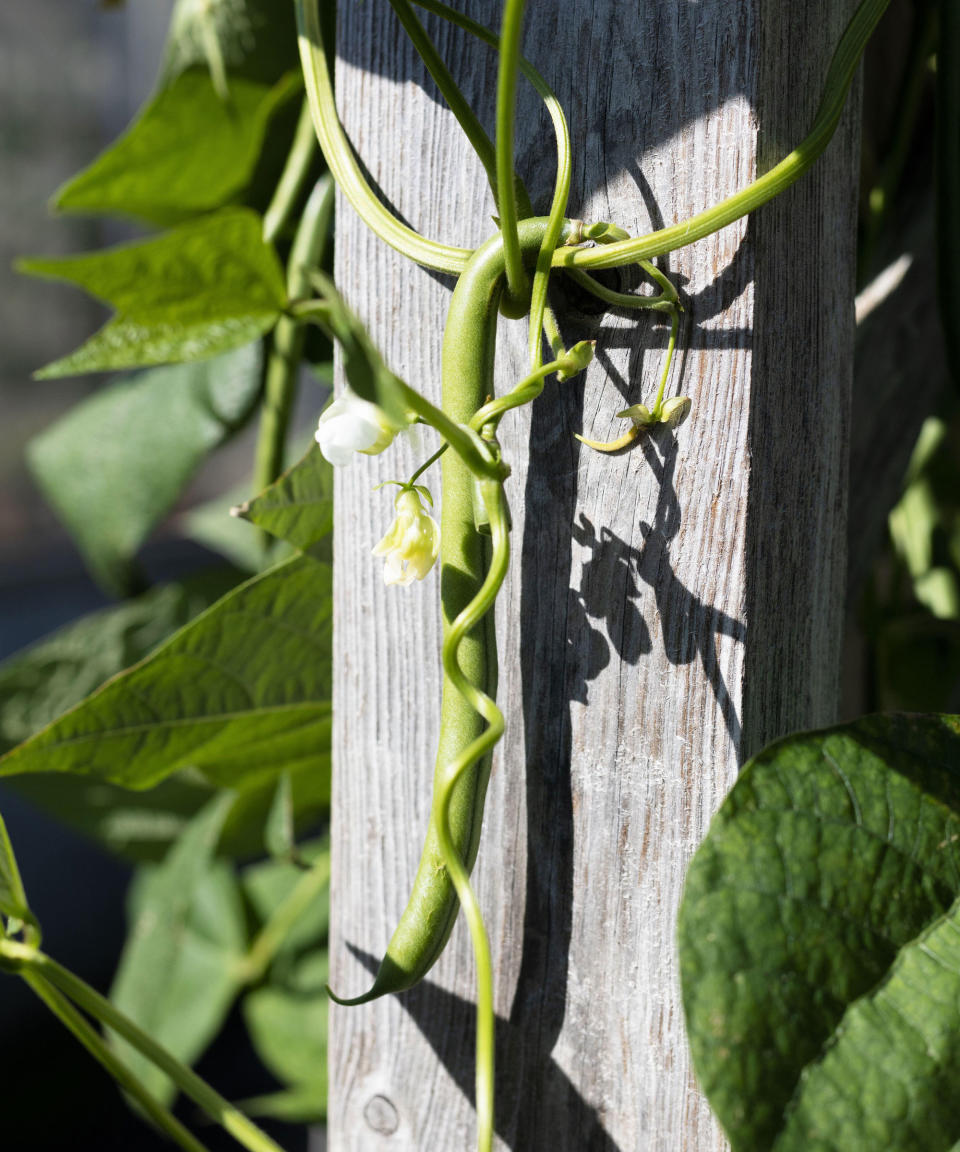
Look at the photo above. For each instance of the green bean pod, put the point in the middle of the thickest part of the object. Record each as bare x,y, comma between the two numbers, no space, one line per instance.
469,345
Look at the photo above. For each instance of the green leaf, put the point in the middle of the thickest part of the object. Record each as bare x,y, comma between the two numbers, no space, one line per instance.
44,680
242,691
182,966
802,924
298,507
198,290
219,528
188,152
212,525
301,1104
891,1078
118,461
255,39
288,1027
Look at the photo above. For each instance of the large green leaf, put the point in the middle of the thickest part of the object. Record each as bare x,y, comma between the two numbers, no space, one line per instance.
255,39
198,290
181,968
891,1078
44,680
298,507
802,936
241,692
188,152
116,463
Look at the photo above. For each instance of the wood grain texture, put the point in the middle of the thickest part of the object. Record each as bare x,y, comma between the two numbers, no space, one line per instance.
668,610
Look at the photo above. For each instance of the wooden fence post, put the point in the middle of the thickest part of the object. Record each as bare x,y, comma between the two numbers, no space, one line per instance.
669,609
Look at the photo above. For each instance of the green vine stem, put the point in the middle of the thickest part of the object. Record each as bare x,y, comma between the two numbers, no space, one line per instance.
516,295
840,75
478,751
531,386
292,179
555,221
284,917
31,961
666,301
488,157
98,1049
342,162
286,346
457,102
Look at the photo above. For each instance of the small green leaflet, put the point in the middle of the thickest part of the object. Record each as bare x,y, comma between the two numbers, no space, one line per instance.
181,967
239,695
820,943
254,39
298,507
188,152
116,463
204,288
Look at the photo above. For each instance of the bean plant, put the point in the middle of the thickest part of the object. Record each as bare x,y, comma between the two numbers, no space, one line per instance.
832,871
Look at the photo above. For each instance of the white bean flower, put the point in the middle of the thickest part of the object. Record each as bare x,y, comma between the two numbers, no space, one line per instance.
352,424
412,543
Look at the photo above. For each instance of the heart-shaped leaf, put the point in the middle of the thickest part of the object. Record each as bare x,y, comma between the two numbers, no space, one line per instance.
188,152
819,954
198,290
240,694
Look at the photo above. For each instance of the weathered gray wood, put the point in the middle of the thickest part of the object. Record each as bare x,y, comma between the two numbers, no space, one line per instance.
668,610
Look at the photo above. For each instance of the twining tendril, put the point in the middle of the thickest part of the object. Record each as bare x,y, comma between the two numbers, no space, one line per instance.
496,511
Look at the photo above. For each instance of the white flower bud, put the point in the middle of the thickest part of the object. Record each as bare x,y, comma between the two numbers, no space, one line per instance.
352,424
411,545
